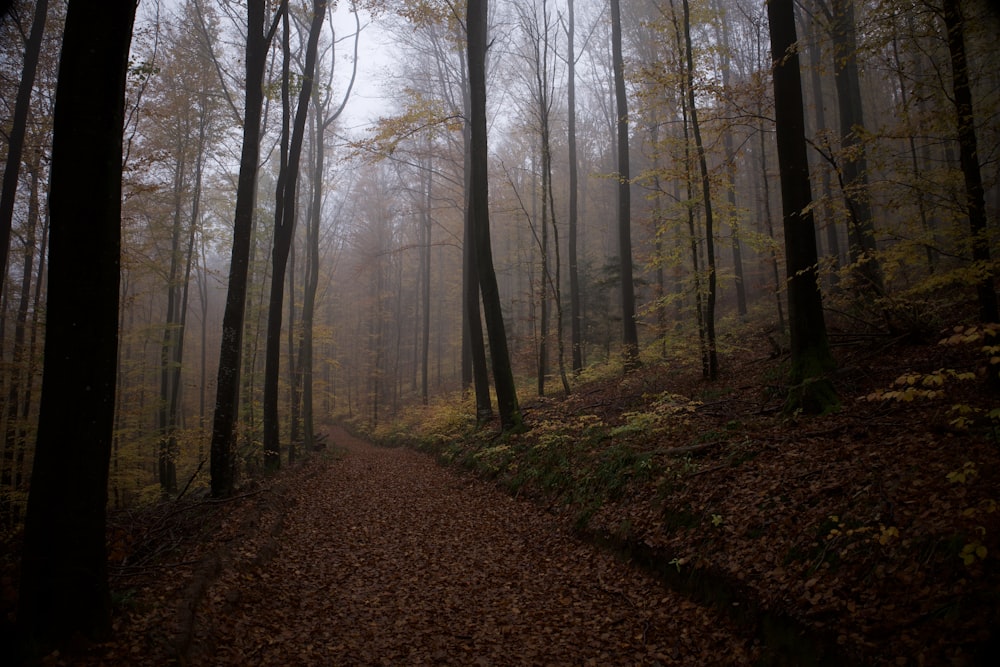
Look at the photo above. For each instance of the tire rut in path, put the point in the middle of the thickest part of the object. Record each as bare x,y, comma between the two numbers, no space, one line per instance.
389,559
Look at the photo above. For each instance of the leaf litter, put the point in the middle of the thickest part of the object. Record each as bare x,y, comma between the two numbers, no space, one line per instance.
382,557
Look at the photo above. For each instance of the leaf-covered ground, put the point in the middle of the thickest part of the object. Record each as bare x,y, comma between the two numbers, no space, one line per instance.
874,530
383,557
868,536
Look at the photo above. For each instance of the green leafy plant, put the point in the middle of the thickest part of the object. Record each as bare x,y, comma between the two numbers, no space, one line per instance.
971,551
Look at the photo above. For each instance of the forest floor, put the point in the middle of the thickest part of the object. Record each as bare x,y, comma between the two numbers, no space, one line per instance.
380,556
869,535
649,519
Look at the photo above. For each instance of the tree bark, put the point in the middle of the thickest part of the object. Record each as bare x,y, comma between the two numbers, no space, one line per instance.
630,334
306,353
503,376
64,584
811,391
165,426
474,365
975,201
283,233
706,194
228,384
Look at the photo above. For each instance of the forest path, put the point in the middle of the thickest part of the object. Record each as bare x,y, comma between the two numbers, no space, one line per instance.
386,558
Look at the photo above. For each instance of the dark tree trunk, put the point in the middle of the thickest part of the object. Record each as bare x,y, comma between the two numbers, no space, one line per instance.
474,365
279,256
283,232
64,584
228,385
312,277
306,353
975,201
166,467
687,122
19,124
811,391
854,166
630,333
503,376
706,194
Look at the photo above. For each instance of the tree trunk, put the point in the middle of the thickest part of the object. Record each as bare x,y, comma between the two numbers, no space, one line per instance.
166,456
283,232
19,125
15,440
576,320
722,33
706,193
474,364
811,391
975,201
174,410
686,101
854,166
306,353
312,277
228,385
630,334
64,584
503,376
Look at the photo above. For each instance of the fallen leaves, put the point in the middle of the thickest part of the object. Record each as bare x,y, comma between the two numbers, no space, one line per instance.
385,558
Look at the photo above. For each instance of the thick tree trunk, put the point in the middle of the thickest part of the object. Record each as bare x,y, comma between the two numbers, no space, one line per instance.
306,353
474,365
975,201
630,333
228,385
283,232
311,285
811,391
503,376
64,585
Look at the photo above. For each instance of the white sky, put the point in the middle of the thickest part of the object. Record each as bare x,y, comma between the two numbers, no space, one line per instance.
374,55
